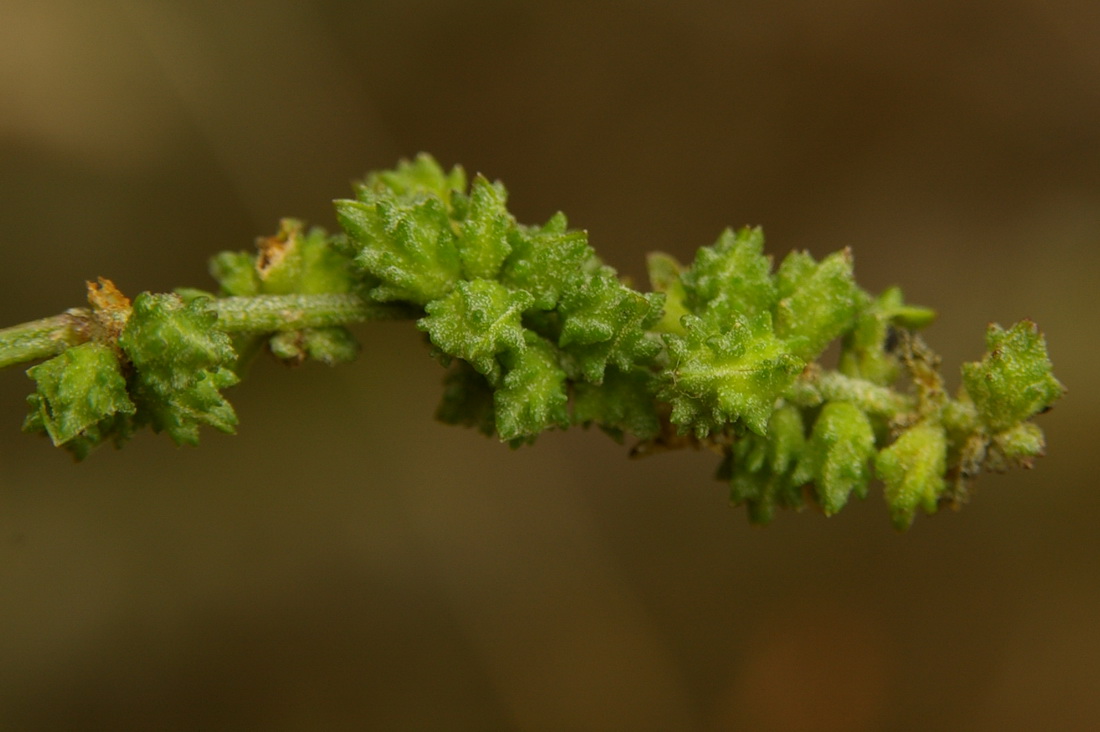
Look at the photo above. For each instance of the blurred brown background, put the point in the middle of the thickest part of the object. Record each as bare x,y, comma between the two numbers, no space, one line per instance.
347,563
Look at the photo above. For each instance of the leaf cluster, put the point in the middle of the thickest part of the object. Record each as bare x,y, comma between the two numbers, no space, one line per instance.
293,261
527,318
166,370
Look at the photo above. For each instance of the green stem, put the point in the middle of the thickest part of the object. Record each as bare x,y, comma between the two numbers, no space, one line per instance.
40,339
268,313
819,386
43,338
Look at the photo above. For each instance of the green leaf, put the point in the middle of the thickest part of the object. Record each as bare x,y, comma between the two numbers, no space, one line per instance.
294,262
483,243
817,302
532,397
476,322
623,403
78,392
912,317
290,262
422,176
732,278
604,321
913,470
664,277
545,261
717,378
760,470
181,362
1020,445
866,351
330,346
467,399
236,273
837,457
1014,381
410,247
118,428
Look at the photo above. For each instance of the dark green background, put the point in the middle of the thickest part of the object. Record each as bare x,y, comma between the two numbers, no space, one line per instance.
347,563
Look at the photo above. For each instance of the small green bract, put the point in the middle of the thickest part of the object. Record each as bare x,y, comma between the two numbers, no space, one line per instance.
181,362
81,394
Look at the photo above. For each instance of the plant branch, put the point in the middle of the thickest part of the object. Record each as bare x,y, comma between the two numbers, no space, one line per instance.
538,333
47,337
276,313
43,338
818,386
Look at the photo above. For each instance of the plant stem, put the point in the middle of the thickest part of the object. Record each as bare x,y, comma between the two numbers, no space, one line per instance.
818,386
43,338
268,313
48,337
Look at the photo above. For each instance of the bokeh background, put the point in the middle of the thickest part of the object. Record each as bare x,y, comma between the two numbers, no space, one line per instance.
347,563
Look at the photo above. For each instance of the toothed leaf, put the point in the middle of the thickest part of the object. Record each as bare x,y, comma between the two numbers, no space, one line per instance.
1021,444
732,278
330,346
476,322
483,242
409,246
818,302
912,469
298,262
236,273
78,392
418,177
717,378
664,277
622,404
467,399
532,397
867,349
1014,381
760,469
543,261
604,322
837,457
181,362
